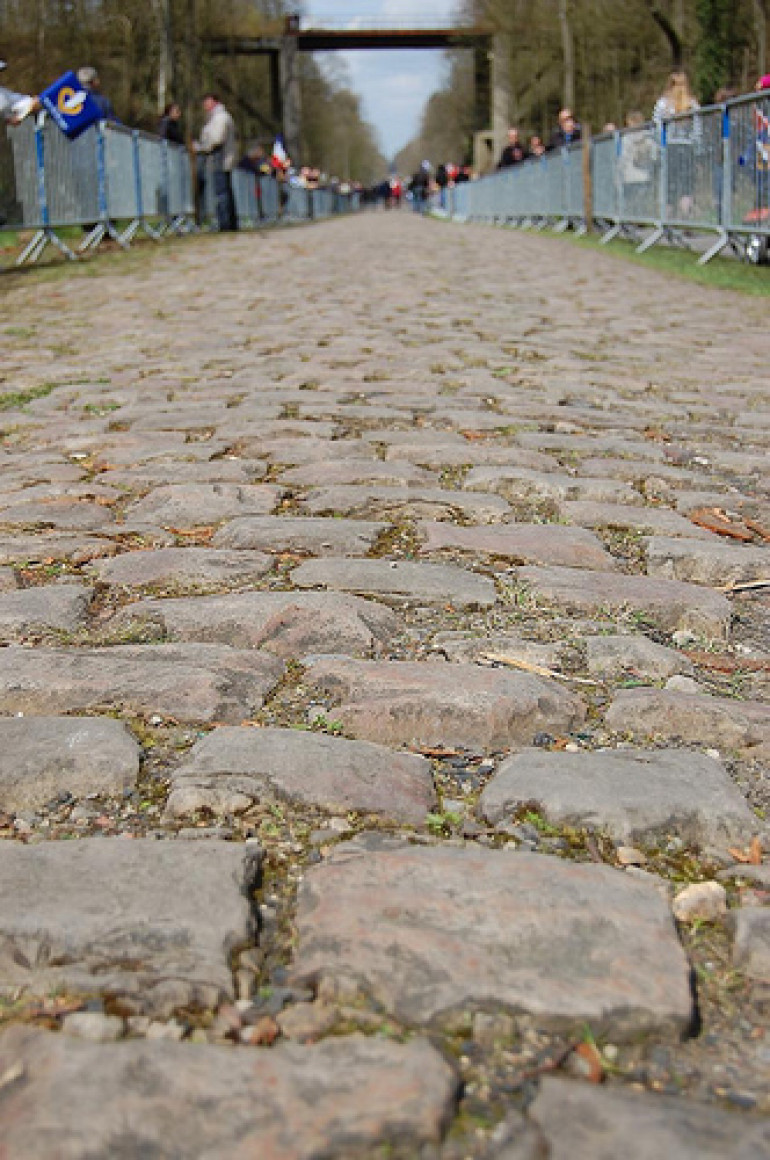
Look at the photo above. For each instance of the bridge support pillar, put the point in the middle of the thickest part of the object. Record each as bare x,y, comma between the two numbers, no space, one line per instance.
290,96
501,97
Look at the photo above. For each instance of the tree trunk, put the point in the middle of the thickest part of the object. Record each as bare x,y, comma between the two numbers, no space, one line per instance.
760,24
568,50
192,53
162,10
670,33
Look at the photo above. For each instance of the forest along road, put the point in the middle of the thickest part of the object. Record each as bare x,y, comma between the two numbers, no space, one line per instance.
384,725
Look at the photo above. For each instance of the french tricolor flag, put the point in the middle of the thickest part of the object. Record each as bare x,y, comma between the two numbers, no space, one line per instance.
280,157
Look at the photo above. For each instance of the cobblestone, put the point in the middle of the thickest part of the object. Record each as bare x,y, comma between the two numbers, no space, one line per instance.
499,462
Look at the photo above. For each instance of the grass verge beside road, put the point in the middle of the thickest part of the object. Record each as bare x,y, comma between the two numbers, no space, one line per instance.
723,273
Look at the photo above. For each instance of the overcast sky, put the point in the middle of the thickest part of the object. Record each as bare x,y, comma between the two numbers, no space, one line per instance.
393,85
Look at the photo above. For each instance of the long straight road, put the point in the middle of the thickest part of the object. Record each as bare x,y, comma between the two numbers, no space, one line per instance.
384,723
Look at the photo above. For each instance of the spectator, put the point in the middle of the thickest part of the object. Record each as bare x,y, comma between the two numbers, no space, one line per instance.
217,143
758,156
419,187
88,78
636,165
681,137
14,107
442,181
170,124
567,130
536,147
256,161
513,152
676,98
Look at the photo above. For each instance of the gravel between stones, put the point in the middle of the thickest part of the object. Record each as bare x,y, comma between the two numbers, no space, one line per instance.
509,468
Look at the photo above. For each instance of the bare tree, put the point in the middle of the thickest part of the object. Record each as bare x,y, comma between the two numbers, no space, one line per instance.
760,24
163,15
670,33
568,50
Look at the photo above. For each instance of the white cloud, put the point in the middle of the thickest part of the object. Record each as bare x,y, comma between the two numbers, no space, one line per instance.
406,11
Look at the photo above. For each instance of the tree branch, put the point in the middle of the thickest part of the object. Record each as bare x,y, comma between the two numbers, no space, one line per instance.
670,33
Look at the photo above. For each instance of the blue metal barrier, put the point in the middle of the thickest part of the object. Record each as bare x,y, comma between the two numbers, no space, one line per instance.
700,173
113,182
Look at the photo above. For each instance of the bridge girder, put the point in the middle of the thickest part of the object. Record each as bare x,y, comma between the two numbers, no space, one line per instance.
491,98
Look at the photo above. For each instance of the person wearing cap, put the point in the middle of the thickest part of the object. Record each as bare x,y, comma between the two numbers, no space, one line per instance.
88,78
14,107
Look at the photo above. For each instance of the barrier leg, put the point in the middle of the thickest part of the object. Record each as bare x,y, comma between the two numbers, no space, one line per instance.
651,240
130,232
97,235
34,248
722,241
611,234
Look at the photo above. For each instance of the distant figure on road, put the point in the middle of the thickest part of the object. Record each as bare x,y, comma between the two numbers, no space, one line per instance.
88,78
513,152
442,181
218,144
419,187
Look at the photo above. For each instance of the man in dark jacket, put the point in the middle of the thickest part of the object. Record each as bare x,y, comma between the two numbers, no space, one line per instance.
442,181
419,187
514,151
170,124
566,132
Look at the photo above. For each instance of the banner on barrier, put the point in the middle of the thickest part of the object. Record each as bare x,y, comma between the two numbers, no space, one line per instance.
70,105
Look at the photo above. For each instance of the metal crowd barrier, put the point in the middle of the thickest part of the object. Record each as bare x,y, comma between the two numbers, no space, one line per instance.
542,192
706,172
112,182
261,201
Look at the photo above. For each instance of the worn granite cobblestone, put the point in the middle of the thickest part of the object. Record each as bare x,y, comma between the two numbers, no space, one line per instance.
342,872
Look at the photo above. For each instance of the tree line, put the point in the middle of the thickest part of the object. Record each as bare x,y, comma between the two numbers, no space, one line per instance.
601,58
149,52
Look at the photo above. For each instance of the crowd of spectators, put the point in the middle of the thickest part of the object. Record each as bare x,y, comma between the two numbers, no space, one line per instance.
566,131
216,150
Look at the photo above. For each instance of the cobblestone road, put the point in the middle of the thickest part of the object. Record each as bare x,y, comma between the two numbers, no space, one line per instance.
386,626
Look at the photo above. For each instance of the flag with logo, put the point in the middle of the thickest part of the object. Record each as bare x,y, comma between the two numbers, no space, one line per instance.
70,105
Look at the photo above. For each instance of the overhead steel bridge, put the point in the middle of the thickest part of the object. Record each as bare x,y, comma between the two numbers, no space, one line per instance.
283,44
